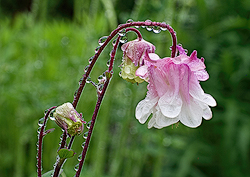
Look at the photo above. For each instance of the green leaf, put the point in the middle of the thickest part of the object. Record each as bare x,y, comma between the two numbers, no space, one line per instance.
65,153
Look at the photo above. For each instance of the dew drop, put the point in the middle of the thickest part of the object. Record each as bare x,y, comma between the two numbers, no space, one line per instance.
129,21
97,49
147,23
76,167
39,130
40,122
45,112
88,124
52,117
162,28
85,135
75,93
102,40
123,39
137,26
88,80
114,41
83,144
86,68
99,88
91,59
149,28
80,81
156,29
79,158
108,63
100,78
122,32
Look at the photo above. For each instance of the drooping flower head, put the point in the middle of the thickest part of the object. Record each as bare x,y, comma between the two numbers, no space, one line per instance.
69,119
174,92
134,54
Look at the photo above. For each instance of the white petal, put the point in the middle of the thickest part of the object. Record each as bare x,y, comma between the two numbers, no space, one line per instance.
197,92
208,99
163,121
191,115
144,109
170,105
207,113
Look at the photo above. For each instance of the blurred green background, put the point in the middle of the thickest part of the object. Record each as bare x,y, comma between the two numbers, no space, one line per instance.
44,48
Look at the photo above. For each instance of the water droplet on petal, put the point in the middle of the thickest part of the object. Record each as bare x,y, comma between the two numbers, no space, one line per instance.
162,28
122,32
88,124
76,167
102,40
156,29
40,122
79,158
85,135
91,59
97,49
129,21
123,39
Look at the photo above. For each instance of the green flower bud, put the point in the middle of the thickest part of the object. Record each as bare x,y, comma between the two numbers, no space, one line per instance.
69,119
128,71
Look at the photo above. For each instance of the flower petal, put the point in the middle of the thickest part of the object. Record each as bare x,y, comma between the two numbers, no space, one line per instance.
170,105
144,109
163,121
191,115
197,92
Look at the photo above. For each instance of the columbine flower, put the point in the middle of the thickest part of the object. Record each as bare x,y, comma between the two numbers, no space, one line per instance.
134,53
174,93
69,119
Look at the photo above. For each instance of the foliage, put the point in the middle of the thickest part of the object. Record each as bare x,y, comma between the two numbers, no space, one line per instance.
41,64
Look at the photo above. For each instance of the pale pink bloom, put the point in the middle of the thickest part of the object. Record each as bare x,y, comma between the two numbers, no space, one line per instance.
134,54
174,92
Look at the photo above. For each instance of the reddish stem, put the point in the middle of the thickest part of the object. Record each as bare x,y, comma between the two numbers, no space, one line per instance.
40,142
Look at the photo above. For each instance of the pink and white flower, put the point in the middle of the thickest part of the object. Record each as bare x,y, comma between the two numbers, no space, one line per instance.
174,92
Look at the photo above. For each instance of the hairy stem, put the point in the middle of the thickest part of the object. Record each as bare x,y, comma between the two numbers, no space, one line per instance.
40,142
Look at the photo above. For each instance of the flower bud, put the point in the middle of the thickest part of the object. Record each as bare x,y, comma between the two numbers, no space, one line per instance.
69,119
128,70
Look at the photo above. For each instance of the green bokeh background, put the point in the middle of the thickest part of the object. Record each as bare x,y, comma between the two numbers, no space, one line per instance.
43,53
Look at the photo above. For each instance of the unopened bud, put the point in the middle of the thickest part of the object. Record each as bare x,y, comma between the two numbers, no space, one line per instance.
69,119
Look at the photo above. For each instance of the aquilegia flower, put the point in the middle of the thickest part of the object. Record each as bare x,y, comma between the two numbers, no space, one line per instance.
134,53
69,119
174,92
